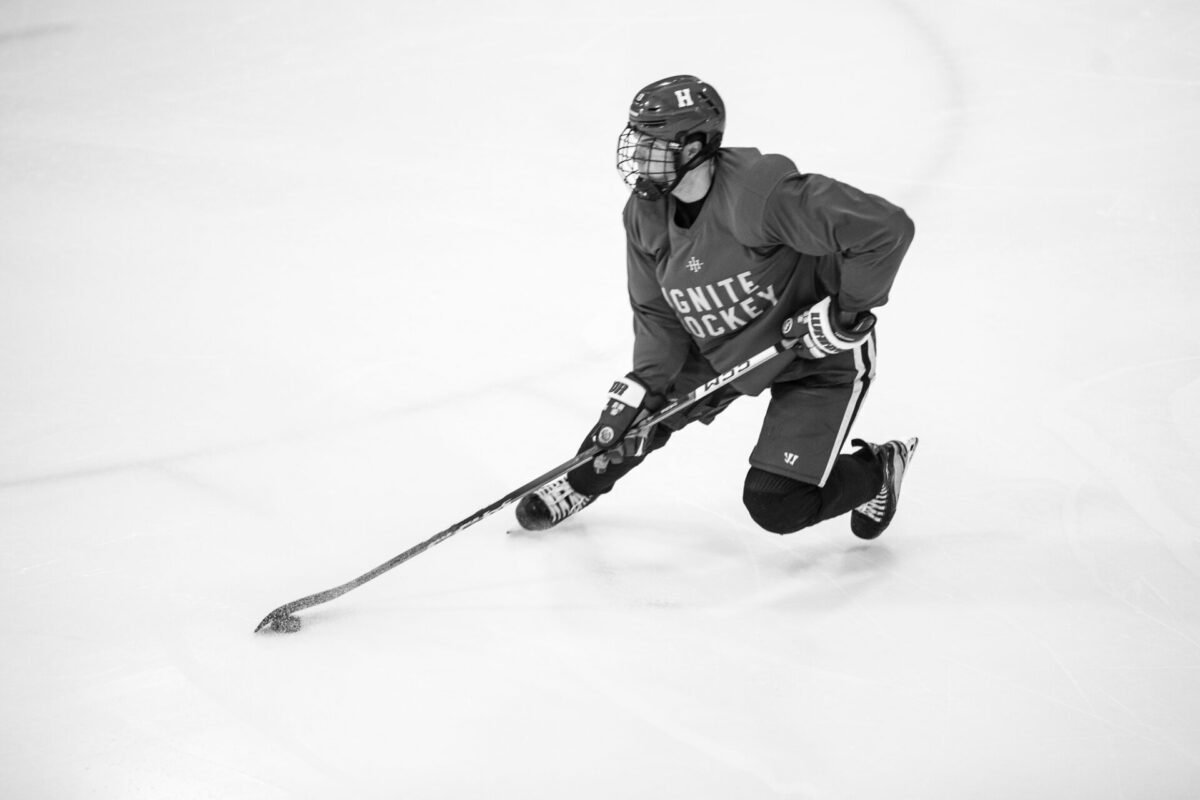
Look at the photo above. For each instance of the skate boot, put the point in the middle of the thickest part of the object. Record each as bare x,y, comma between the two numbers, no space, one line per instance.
550,505
872,518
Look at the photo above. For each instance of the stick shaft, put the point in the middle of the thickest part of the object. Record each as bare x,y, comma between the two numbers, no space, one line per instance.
693,397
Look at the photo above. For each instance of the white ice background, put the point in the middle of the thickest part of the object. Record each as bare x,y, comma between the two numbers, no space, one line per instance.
288,287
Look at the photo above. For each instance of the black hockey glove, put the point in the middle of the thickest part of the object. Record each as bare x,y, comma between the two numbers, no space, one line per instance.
821,333
626,406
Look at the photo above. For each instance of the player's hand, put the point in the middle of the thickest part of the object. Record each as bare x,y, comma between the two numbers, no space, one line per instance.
625,407
822,330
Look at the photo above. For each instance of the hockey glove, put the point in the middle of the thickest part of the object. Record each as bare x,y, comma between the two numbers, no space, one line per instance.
626,406
821,334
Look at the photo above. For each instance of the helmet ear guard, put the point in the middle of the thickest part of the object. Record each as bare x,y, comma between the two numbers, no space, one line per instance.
663,118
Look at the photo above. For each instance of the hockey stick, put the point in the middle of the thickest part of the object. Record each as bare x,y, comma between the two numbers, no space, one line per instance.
281,619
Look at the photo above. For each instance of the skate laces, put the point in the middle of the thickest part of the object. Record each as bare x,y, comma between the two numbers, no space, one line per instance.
876,508
561,499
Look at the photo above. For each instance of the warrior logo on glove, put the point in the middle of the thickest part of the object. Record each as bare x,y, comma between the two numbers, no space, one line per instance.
626,397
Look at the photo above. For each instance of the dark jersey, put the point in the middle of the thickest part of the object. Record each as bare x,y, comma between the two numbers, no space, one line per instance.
767,243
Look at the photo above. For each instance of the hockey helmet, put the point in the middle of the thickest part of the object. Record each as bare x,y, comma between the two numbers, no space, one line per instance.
663,117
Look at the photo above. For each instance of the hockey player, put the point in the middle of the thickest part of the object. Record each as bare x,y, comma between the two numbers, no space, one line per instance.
728,251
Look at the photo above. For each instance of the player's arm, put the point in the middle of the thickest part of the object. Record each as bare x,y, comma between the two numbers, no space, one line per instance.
818,215
660,342
660,348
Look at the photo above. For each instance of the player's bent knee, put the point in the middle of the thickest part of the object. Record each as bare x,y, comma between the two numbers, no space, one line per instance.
779,504
774,517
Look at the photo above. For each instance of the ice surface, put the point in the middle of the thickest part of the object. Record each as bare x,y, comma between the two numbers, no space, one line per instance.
288,287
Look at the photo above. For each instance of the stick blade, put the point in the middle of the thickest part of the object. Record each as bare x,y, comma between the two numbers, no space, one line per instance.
269,620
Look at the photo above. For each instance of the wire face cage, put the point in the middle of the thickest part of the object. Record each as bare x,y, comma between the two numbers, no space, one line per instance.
648,165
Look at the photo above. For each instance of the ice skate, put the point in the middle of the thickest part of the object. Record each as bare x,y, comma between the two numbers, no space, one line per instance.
872,518
550,505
